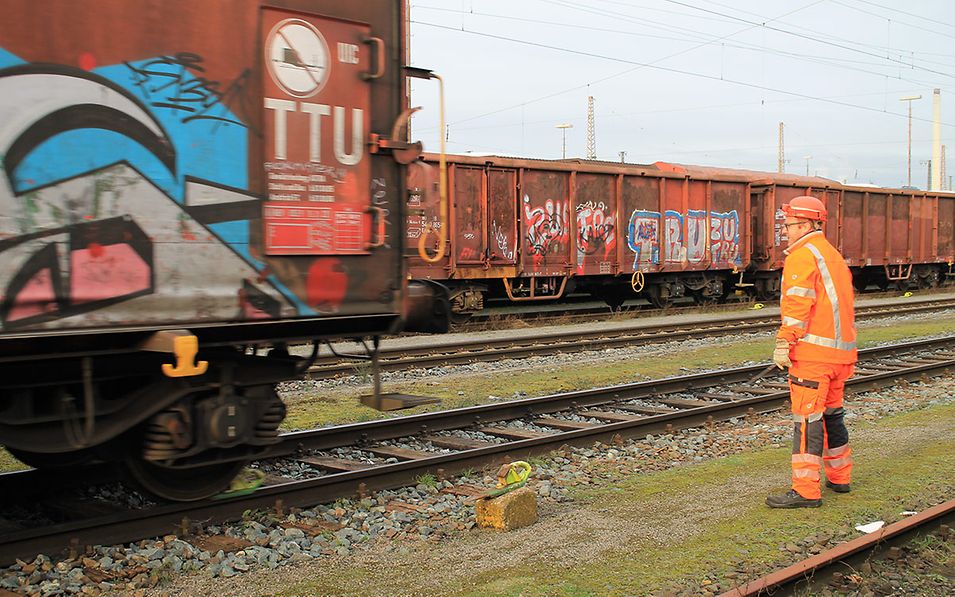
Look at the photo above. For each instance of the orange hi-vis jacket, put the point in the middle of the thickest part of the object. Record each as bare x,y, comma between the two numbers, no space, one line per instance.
816,303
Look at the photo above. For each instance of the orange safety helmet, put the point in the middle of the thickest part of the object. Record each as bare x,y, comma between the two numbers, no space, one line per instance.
806,207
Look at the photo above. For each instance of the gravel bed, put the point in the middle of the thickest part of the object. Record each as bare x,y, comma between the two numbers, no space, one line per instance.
569,416
524,426
649,403
288,468
349,453
692,396
469,434
411,443
426,512
119,494
609,409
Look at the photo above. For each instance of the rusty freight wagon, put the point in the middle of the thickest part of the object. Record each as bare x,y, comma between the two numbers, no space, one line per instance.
889,237
535,230
896,237
183,183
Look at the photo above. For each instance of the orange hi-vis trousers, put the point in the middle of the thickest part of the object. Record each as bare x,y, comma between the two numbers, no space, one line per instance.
820,437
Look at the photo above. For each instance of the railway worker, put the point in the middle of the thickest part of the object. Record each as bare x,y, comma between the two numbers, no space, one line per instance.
817,342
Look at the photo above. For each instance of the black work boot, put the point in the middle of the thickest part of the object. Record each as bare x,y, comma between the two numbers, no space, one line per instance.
838,487
792,499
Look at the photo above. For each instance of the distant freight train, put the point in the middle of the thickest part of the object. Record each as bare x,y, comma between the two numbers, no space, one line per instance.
536,230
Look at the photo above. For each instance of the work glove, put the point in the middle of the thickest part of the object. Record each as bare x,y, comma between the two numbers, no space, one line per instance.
781,354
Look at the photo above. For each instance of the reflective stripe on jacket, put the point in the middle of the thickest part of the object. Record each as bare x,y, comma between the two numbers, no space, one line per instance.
816,304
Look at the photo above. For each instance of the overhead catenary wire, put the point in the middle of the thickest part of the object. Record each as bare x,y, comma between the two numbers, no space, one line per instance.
911,14
613,115
684,39
894,21
763,20
657,67
851,41
607,78
831,61
809,37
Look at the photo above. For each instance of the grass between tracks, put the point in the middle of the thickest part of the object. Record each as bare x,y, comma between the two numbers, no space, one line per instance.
309,410
9,463
626,542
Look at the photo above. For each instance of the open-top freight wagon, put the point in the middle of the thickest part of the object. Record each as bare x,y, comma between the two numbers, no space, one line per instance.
536,230
183,184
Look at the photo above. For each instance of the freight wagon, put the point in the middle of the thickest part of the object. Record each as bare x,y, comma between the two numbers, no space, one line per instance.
185,185
889,237
532,230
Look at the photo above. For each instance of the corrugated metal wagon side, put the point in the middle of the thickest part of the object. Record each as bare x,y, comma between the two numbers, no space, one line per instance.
533,230
899,238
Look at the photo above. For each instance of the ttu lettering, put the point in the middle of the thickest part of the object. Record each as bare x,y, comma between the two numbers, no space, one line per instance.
315,113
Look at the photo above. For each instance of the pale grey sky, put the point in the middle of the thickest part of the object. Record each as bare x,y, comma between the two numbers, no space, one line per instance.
692,81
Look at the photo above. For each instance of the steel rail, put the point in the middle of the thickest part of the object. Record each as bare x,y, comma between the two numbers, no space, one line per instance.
490,315
135,524
807,573
592,309
487,350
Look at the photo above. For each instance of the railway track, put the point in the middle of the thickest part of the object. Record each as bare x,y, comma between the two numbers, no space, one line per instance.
362,457
544,343
590,310
817,572
491,317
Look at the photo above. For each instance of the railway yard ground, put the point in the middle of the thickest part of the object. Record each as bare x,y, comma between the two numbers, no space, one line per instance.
677,513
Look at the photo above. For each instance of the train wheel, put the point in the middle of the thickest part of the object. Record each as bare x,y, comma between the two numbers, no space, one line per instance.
929,279
859,281
656,299
183,484
703,300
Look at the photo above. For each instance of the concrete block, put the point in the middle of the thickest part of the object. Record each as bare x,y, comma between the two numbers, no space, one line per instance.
510,511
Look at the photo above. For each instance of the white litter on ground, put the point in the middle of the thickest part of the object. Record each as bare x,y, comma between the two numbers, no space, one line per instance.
871,527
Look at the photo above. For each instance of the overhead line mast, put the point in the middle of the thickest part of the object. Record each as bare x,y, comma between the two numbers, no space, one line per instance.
781,161
936,178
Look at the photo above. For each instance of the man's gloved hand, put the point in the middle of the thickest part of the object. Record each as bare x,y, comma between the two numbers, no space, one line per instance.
781,354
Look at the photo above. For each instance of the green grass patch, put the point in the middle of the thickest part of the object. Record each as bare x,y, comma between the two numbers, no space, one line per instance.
8,463
428,480
309,410
875,332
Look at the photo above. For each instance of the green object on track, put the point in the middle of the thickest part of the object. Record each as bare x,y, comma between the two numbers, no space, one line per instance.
244,483
499,492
